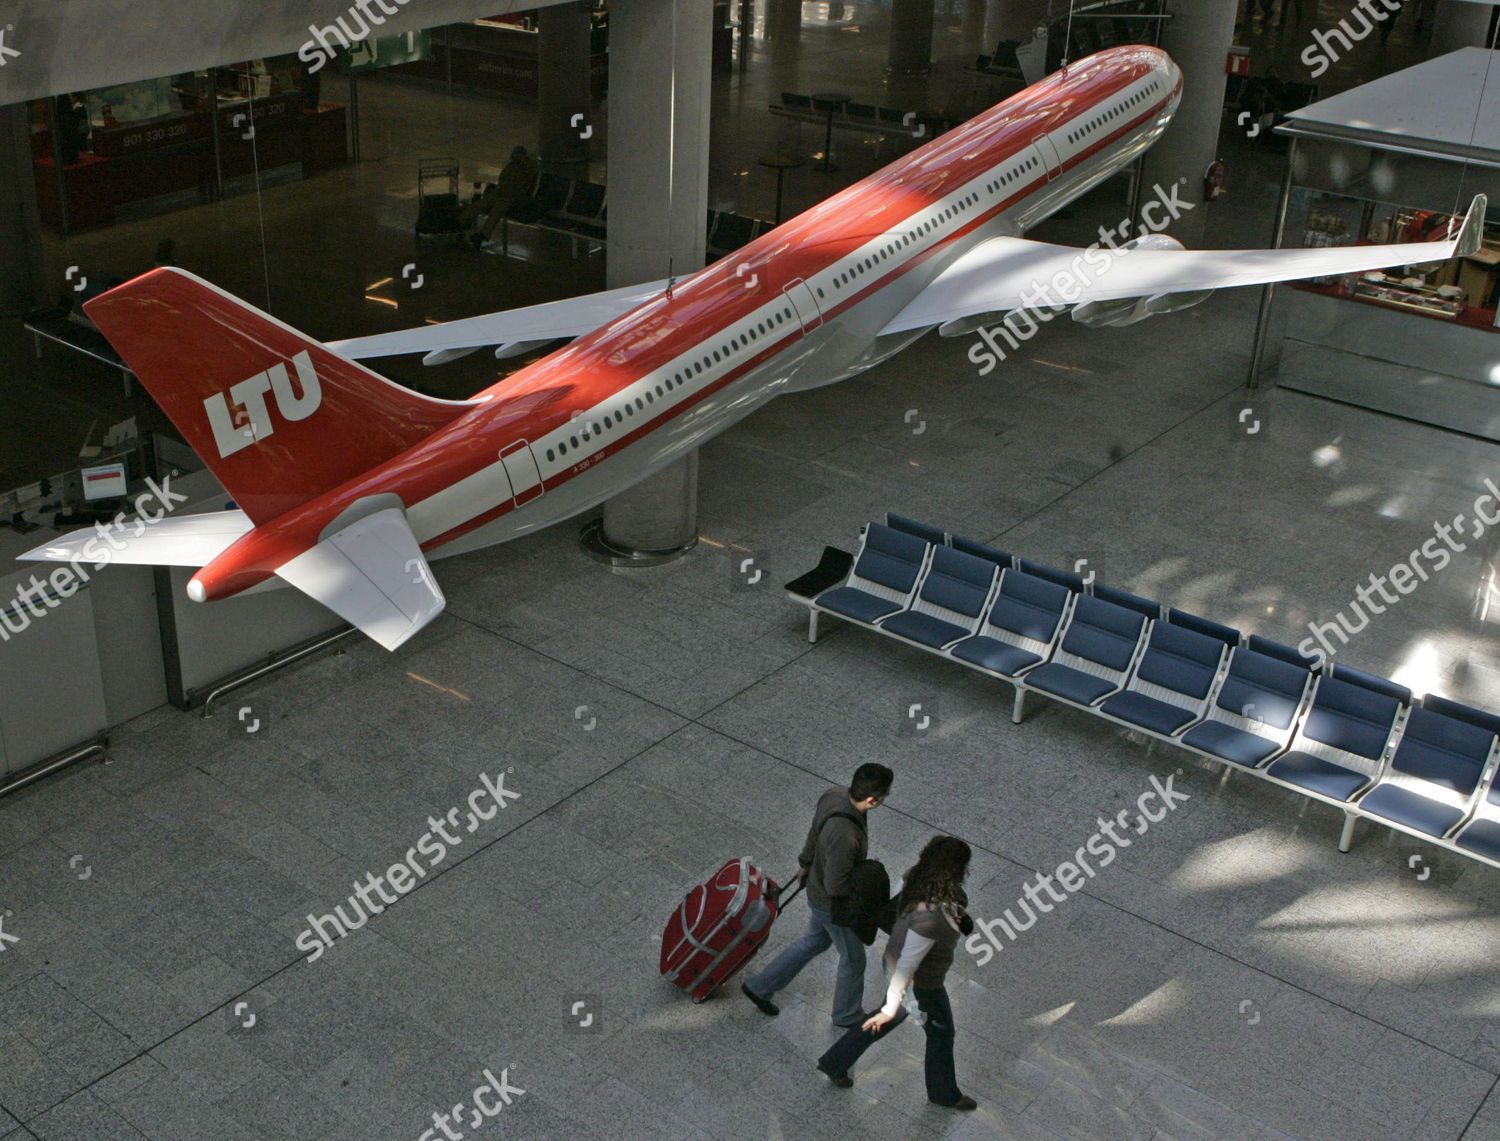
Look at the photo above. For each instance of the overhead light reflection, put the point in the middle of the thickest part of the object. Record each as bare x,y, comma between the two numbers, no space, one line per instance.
1239,861
1154,1008
1421,670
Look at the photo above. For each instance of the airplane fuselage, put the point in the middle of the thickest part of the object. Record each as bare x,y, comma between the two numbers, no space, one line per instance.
800,307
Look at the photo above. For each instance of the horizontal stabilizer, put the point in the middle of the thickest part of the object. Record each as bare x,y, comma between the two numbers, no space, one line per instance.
531,325
372,574
180,541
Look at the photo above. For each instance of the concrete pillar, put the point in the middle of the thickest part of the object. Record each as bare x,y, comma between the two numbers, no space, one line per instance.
564,120
973,26
911,37
660,84
21,285
1460,25
783,32
994,21
1015,19
784,21
1197,38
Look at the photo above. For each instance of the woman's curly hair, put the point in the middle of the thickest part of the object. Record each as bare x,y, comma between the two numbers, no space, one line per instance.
938,875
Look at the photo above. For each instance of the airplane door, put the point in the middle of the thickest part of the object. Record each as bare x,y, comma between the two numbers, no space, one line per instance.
805,305
1048,150
521,469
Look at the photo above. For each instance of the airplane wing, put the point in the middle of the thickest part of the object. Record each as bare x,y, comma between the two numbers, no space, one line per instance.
512,331
1104,286
373,575
185,541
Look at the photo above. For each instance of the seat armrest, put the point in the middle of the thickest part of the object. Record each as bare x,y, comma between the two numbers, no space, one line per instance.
832,569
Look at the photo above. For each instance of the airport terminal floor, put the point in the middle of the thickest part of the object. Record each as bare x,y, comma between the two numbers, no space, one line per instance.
1231,974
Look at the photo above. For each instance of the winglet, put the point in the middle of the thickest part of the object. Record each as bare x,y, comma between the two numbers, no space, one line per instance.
1471,236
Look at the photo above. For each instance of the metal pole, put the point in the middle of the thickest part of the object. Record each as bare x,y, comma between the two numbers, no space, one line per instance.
1137,180
1278,232
213,127
448,52
354,116
747,18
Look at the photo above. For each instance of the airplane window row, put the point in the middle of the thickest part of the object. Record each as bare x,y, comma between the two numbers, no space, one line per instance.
1112,113
1008,177
676,380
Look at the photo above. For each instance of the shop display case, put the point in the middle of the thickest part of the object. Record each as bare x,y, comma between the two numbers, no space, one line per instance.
1389,162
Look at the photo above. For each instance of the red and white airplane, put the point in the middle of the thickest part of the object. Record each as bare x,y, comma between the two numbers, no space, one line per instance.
345,483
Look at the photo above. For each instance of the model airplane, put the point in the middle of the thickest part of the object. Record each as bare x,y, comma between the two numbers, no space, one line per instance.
346,483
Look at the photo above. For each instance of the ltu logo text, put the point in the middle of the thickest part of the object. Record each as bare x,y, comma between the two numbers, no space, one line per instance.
244,418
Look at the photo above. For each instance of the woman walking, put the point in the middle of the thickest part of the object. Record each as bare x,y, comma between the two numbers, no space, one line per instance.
930,918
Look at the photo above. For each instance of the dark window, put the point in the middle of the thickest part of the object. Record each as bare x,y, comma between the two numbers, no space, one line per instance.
550,457
574,440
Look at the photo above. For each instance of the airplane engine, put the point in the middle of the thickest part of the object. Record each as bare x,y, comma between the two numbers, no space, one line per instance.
1131,310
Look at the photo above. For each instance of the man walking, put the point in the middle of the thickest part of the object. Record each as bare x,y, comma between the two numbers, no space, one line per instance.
836,842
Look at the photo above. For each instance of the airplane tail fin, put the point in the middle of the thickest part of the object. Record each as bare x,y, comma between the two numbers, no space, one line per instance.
278,417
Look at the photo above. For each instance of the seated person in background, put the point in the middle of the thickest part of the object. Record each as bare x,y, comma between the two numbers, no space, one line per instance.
501,197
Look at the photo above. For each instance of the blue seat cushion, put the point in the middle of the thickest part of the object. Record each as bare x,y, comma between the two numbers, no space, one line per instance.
857,604
994,655
1069,684
1482,836
924,628
1407,808
1230,744
1317,775
1147,712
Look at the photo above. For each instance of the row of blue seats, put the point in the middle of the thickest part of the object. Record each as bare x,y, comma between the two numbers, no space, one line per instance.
1338,735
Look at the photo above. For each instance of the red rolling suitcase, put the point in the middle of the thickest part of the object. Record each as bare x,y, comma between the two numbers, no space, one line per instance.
719,927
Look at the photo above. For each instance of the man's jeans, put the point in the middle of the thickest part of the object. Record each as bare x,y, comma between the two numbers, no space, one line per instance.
821,933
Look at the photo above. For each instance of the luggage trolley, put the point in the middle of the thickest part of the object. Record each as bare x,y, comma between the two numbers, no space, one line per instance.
437,197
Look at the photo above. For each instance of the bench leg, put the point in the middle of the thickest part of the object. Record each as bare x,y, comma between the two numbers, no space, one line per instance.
1346,837
1228,772
812,625
1018,710
1150,747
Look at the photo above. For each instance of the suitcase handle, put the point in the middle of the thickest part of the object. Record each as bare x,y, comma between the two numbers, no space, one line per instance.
781,899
